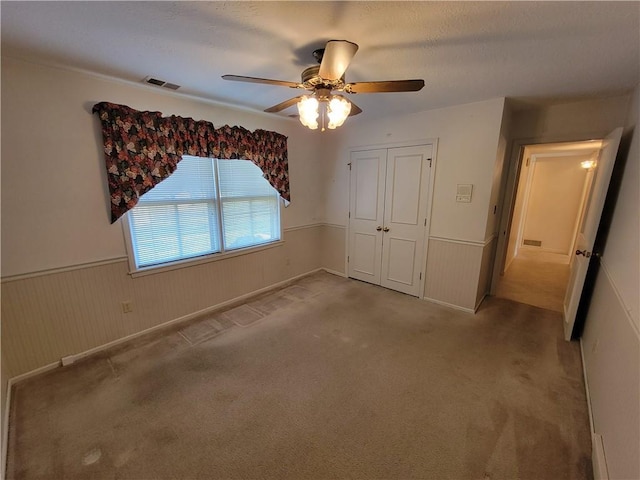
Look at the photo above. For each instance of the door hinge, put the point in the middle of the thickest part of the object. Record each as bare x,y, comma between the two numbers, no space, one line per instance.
527,164
349,214
349,165
425,222
429,162
420,275
347,258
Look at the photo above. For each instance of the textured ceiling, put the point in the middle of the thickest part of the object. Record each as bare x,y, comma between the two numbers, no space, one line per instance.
465,51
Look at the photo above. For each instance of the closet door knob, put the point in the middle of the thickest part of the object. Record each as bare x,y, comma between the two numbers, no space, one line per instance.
385,229
378,228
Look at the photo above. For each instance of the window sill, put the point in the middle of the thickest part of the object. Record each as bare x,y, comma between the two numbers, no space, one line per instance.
192,262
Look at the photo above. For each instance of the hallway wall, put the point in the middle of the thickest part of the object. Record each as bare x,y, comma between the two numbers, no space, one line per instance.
563,122
554,202
611,339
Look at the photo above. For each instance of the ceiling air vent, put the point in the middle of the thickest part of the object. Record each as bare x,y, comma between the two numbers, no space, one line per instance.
160,83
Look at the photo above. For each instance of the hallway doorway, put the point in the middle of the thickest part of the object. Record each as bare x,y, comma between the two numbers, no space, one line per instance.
552,189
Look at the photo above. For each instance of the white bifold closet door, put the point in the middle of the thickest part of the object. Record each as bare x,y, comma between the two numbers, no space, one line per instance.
388,216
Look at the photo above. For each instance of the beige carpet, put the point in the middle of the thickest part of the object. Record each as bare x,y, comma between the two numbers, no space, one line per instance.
536,278
326,379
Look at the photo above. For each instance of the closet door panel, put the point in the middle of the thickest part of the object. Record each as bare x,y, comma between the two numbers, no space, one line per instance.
407,182
403,253
405,171
368,170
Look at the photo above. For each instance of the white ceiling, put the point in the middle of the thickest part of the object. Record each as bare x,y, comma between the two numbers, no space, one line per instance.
465,51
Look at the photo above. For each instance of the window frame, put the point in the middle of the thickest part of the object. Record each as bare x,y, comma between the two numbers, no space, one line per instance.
136,271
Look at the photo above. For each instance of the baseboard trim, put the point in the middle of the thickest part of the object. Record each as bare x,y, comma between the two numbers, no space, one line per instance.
586,386
34,372
598,459
335,272
5,420
5,429
78,356
479,302
450,305
69,359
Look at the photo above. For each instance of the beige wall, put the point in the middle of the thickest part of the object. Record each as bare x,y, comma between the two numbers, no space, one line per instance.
579,120
55,216
498,189
64,271
518,211
468,137
611,340
554,201
469,150
54,196
333,248
499,179
564,122
582,120
47,317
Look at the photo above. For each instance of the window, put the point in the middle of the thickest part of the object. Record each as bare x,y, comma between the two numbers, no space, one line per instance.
207,206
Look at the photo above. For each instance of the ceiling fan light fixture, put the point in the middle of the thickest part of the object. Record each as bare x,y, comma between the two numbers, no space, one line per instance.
308,110
338,110
588,164
320,108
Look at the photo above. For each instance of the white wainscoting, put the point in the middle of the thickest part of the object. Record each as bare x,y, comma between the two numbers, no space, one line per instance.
334,243
611,349
55,314
76,310
458,272
486,269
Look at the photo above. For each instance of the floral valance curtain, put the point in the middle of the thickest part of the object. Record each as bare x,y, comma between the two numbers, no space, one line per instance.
143,148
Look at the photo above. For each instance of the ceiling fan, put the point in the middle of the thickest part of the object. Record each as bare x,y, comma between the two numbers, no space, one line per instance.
324,79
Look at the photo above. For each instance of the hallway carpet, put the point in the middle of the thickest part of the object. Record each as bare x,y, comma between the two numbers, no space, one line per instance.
327,378
536,278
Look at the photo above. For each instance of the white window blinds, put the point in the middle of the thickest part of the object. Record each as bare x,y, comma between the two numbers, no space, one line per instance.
249,205
187,216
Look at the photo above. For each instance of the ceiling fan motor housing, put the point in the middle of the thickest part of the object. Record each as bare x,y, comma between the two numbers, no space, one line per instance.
311,79
318,54
329,76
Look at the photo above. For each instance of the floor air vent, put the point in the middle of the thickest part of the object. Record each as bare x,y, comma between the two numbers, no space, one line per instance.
533,243
160,83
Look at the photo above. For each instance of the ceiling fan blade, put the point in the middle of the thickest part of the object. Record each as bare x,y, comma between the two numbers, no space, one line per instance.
386,86
281,83
282,105
336,58
355,110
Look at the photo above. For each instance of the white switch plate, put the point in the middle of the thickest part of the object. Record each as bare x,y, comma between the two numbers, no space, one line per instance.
463,193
